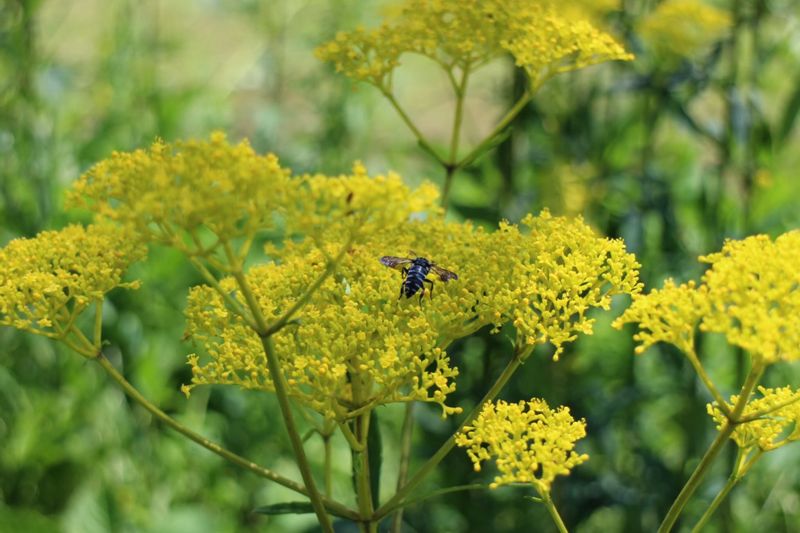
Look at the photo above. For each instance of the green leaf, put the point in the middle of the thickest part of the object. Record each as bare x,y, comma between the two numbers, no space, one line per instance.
285,508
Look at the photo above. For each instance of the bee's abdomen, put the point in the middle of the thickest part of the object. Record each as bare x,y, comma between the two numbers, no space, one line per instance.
413,281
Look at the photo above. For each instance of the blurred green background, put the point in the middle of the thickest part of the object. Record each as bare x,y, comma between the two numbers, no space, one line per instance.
674,154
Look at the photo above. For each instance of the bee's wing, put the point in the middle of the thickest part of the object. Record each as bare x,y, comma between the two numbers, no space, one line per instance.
444,274
394,262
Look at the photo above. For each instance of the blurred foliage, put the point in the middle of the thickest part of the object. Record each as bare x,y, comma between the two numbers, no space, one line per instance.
672,155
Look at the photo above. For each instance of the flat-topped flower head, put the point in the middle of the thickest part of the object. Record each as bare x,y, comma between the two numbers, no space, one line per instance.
332,207
778,423
355,346
754,294
750,294
358,345
172,192
670,315
561,271
529,442
547,38
683,28
48,280
185,186
542,36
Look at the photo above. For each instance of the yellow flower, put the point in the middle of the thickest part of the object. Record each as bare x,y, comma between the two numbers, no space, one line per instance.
353,345
667,315
543,36
48,280
357,345
187,186
529,441
171,193
751,294
778,425
754,293
683,28
561,270
332,207
547,40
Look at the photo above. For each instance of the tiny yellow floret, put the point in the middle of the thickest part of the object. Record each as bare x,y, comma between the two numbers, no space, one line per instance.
529,441
48,280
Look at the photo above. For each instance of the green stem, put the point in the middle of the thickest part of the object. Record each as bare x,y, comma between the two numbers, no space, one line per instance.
698,367
450,171
88,349
724,433
695,478
458,117
229,300
363,483
351,439
330,268
334,507
502,125
279,382
747,389
237,272
395,501
769,410
551,508
326,440
440,492
418,134
405,455
451,167
97,340
732,480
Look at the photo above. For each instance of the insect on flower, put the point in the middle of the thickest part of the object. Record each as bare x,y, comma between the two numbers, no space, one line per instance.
415,275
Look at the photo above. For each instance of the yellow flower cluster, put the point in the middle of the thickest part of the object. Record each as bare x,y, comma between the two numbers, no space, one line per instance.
560,272
550,39
669,315
172,191
754,295
48,280
358,346
683,28
543,36
186,186
751,294
530,442
332,207
778,424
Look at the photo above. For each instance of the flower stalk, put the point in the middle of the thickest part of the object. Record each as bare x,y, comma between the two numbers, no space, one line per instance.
333,506
713,450
395,502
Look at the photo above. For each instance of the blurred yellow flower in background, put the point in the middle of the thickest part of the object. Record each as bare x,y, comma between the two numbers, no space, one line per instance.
544,38
683,28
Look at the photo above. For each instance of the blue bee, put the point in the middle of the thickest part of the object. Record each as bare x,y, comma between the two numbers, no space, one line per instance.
415,275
